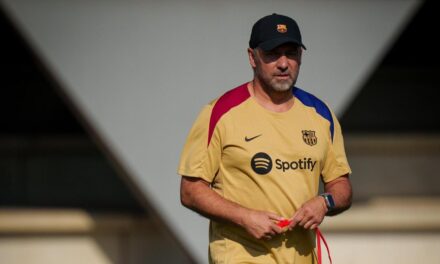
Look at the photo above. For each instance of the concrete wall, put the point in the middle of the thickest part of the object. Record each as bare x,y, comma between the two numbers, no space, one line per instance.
49,236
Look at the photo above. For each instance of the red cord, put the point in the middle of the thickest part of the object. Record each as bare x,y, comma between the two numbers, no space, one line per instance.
319,236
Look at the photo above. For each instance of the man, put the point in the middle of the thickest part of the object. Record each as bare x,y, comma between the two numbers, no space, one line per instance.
253,159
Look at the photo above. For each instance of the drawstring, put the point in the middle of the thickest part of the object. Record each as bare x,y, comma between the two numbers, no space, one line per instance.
319,236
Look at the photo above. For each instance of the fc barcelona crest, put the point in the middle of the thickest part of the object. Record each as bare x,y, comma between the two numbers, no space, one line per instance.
309,137
281,28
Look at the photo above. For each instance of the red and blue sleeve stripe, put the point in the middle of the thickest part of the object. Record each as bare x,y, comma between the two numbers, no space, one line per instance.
321,108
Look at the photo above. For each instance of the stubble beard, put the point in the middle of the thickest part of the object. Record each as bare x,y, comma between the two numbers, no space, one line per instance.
271,83
281,86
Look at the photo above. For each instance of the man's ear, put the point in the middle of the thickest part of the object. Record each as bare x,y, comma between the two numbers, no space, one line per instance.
252,58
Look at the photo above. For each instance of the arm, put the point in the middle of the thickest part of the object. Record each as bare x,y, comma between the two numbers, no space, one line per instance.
312,213
342,193
197,195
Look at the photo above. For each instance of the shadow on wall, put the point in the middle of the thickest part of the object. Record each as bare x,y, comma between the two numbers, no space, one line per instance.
394,165
391,127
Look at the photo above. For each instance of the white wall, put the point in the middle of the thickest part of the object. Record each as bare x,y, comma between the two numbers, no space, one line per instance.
139,71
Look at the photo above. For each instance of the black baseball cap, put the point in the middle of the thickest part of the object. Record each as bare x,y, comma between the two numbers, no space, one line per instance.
274,30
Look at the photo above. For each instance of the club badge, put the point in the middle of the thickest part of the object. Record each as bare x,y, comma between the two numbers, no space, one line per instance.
281,28
309,137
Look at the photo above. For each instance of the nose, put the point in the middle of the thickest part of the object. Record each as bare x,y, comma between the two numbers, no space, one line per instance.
282,63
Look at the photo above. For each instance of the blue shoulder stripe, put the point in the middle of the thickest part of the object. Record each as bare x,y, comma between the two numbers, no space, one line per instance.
320,107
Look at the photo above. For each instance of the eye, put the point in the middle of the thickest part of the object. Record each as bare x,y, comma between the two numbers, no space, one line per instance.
271,55
292,53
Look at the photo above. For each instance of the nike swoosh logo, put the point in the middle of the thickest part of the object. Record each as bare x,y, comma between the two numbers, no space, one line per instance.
252,138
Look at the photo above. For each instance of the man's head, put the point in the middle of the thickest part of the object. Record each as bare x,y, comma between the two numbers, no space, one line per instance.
275,50
274,30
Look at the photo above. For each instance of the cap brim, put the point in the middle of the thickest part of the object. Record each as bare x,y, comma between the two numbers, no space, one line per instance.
273,43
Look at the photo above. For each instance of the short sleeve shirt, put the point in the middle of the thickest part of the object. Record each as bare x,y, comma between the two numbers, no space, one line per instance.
264,160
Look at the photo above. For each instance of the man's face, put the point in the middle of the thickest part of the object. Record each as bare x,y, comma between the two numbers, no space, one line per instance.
277,69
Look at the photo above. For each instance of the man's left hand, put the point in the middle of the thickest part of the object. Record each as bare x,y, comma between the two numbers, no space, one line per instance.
311,214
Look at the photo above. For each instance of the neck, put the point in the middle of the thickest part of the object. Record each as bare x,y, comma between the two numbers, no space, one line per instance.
277,101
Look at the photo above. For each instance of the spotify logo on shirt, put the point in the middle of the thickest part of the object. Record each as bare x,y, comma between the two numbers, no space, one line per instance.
261,163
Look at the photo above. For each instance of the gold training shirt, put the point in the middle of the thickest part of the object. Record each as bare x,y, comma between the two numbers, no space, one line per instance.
267,161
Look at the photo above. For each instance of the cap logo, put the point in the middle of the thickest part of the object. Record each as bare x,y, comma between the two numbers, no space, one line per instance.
281,28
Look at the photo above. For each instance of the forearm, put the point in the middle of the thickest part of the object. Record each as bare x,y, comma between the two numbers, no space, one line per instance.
341,191
312,212
198,196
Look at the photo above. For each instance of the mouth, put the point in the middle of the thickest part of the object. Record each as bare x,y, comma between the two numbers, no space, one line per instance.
282,76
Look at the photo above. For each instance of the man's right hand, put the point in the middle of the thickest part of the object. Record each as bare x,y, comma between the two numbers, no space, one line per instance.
262,225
